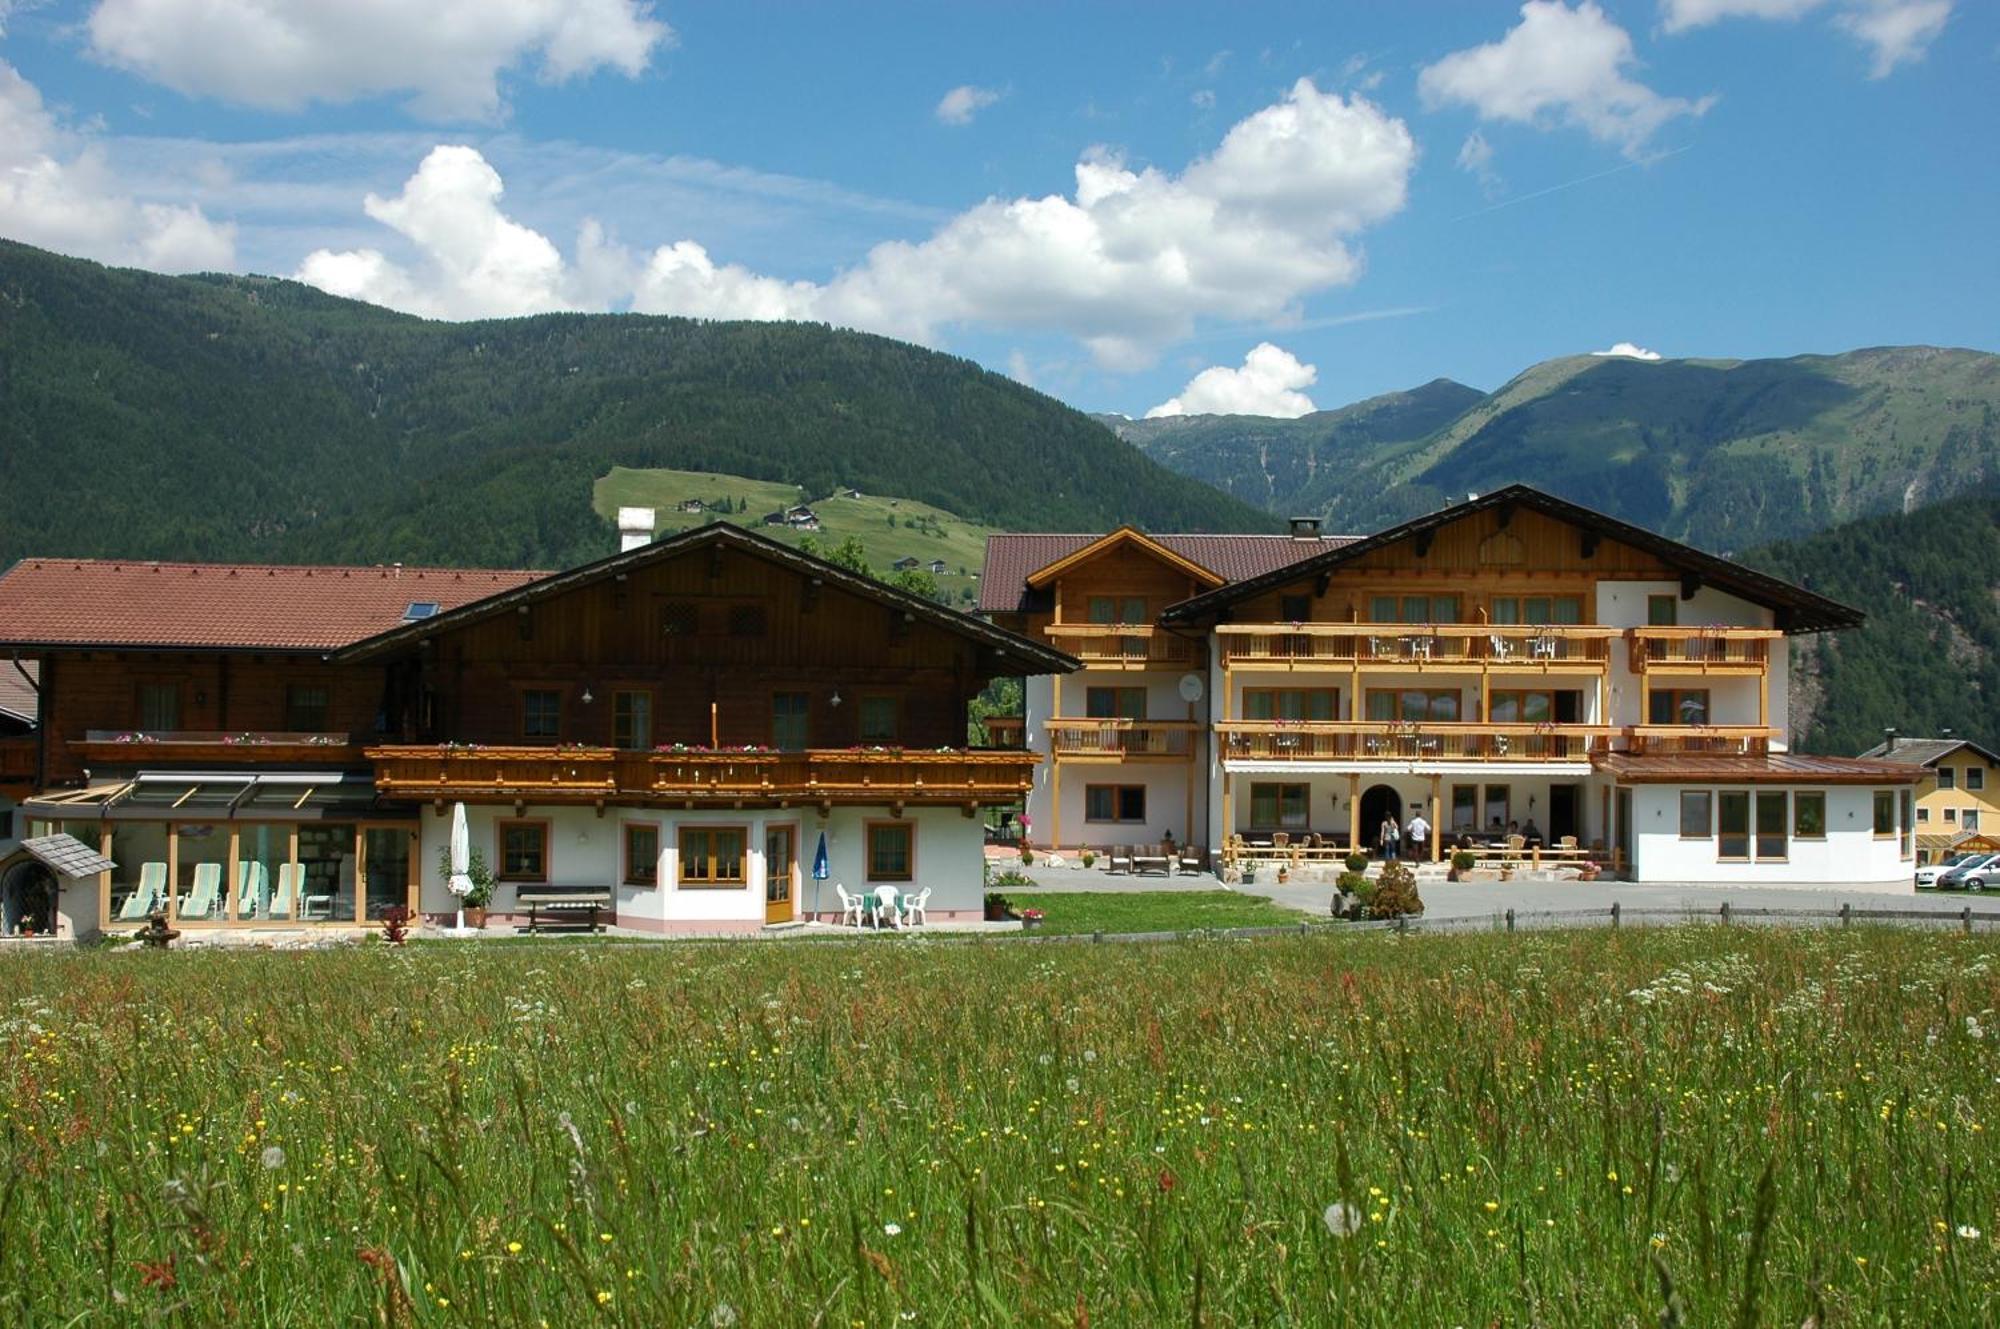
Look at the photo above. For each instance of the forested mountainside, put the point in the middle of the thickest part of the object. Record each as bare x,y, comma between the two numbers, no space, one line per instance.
1928,658
254,418
1725,454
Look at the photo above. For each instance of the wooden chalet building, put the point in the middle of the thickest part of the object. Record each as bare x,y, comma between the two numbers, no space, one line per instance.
681,722
1513,662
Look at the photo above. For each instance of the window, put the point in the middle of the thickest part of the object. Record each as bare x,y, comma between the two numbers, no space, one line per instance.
1908,797
1411,705
1809,815
1536,609
1975,777
1291,703
1114,703
1947,777
790,720
541,713
1951,816
1465,807
878,720
420,610
1278,806
892,850
712,855
1118,609
1114,802
1413,609
159,707
1970,820
1771,825
746,620
1885,813
1923,815
1732,825
632,719
305,708
1662,611
1294,608
1498,806
1697,814
1673,706
679,618
1523,707
642,853
524,851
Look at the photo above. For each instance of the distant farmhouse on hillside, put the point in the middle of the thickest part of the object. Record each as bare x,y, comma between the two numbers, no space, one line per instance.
799,517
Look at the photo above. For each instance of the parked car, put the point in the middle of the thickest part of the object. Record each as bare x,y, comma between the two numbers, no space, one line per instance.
1971,875
1927,875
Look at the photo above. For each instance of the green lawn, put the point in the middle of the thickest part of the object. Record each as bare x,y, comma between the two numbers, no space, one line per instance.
1342,1129
1154,911
883,523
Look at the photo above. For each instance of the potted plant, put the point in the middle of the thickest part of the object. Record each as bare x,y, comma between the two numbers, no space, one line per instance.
1586,871
1357,861
1089,858
1031,919
1507,867
1462,861
1284,873
481,895
1027,857
1351,895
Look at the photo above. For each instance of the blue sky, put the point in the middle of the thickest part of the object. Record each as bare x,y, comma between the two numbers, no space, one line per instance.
1133,207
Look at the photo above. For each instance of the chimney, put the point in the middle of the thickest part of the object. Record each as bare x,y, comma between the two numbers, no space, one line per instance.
635,528
1888,741
1305,528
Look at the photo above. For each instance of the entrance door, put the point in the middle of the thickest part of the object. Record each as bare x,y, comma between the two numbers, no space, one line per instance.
385,868
1624,837
1378,802
1564,809
781,870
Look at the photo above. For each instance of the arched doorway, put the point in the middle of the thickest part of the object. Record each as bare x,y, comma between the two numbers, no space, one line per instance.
1378,802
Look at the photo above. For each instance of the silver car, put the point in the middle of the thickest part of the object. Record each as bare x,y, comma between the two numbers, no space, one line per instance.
1971,875
1928,874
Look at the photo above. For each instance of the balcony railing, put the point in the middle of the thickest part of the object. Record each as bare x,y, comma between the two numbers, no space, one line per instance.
1122,739
1121,645
832,775
1702,650
1007,732
1737,740
17,759
130,747
1376,741
1417,646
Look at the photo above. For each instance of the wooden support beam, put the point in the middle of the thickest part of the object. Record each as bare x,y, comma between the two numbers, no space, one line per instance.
1353,813
1437,819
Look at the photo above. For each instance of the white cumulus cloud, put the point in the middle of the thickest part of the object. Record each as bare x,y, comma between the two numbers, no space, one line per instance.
958,106
1267,384
1558,65
447,55
1626,350
1475,157
1896,32
58,191
1126,264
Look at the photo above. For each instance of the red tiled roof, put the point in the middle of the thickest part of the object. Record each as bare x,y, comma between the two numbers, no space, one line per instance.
246,606
1011,559
17,698
1772,768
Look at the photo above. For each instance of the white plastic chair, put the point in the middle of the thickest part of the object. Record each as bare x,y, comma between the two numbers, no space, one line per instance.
206,895
150,895
850,907
914,907
885,903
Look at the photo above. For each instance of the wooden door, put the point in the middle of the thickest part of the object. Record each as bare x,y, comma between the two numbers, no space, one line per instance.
781,871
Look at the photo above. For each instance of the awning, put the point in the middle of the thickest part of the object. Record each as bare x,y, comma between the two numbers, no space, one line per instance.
222,796
1795,768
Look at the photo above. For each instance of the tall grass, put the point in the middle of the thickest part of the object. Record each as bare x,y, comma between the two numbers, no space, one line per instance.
1690,1127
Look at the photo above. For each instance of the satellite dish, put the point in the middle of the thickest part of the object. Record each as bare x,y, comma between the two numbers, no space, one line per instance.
1190,687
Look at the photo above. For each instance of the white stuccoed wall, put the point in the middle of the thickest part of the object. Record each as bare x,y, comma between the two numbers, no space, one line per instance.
1850,855
1622,604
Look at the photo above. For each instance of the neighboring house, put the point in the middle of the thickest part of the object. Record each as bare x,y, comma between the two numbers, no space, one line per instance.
850,493
1958,798
937,567
905,565
693,505
1513,659
801,518
679,723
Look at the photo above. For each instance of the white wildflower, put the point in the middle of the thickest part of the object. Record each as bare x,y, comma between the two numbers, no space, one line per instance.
1342,1219
1969,1232
273,1158
893,1229
723,1316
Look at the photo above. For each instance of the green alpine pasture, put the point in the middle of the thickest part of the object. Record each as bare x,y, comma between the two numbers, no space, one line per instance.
1676,1127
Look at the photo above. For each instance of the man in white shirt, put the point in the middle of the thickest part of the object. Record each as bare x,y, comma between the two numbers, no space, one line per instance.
1420,835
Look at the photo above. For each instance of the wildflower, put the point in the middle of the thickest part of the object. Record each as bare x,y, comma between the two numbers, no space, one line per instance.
513,1248
1969,1232
723,1316
604,1297
1492,1205
272,1158
893,1229
1342,1219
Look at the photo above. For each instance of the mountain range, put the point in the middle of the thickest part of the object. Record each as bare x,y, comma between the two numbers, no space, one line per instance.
251,418
1725,454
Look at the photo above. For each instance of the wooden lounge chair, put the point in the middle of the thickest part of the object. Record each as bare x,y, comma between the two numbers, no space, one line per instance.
206,896
1121,858
1153,859
1193,860
149,895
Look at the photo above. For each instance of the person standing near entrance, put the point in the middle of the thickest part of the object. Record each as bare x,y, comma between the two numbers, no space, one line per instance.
1420,837
1390,838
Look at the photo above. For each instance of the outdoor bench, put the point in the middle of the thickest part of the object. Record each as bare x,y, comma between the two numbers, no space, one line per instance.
565,902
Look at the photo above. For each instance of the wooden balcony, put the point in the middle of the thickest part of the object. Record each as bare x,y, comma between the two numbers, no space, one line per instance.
691,777
1418,648
1375,741
1121,646
1009,733
18,761
1122,740
1667,740
1702,650
111,747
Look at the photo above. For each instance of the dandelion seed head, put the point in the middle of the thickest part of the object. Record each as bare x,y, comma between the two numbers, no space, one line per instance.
1342,1219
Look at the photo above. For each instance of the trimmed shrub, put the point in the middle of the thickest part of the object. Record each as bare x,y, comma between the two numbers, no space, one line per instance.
1357,861
1395,893
1464,860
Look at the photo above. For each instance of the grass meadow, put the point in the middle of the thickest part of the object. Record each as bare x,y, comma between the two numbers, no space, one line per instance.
1677,1127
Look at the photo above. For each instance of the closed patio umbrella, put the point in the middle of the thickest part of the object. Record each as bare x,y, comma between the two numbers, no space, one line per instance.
459,883
820,869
